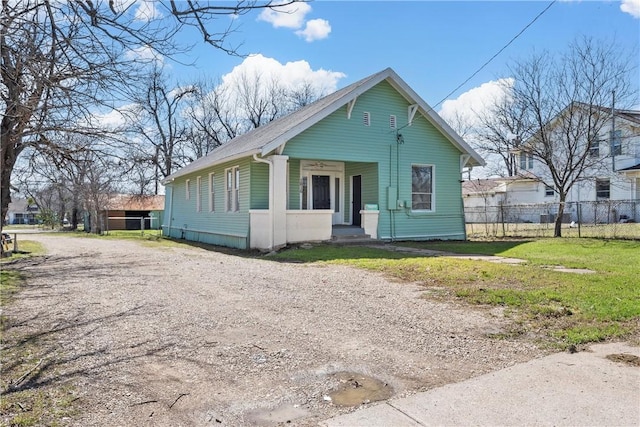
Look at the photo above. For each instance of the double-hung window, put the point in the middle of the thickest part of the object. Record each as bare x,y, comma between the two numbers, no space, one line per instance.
232,189
198,194
422,187
212,192
549,191
526,160
603,188
187,189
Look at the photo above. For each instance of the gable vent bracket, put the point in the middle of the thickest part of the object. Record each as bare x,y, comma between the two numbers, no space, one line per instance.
411,112
464,159
350,106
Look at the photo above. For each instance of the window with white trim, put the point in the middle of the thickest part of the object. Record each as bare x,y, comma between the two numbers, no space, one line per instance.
212,192
421,187
549,191
526,160
187,190
236,192
198,194
232,196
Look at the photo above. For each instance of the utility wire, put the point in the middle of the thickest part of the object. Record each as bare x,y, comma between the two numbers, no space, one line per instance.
497,53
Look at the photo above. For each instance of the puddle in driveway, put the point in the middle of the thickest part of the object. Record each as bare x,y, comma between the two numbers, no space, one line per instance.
275,416
356,389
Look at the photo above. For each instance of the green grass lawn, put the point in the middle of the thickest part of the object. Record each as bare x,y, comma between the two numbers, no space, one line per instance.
25,406
564,308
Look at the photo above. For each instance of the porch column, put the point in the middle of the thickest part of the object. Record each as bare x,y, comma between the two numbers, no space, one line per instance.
279,199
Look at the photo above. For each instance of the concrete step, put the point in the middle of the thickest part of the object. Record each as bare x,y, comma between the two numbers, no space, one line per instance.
352,238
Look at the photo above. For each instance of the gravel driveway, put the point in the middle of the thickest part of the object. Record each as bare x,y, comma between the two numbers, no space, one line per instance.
184,336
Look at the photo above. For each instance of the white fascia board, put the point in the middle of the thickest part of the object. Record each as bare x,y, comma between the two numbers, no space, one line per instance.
204,165
435,119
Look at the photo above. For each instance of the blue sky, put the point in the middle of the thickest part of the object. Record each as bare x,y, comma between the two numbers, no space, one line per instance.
433,45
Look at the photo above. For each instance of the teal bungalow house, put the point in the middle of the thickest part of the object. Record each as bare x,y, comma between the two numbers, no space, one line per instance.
372,155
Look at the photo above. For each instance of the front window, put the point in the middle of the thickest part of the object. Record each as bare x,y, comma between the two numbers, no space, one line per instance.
421,188
594,149
187,190
603,188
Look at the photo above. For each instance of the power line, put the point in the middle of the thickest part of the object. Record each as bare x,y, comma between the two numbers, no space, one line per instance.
494,56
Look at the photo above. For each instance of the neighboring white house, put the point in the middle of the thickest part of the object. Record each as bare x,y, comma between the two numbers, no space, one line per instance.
493,199
21,212
610,187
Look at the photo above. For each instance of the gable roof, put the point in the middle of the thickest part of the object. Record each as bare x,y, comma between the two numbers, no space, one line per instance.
494,185
631,116
270,136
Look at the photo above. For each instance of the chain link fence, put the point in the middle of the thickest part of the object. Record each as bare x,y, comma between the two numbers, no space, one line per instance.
613,219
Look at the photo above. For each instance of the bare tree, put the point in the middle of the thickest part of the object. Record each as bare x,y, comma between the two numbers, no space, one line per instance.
64,184
62,59
211,118
561,104
499,132
160,123
219,112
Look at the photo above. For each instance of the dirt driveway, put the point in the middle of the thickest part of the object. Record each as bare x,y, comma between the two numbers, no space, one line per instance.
185,336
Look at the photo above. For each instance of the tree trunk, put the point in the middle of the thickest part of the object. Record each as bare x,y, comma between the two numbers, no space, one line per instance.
8,162
557,231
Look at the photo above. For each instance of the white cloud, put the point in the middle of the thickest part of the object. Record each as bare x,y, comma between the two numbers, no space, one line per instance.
289,75
316,29
288,16
632,7
147,11
475,102
145,54
118,118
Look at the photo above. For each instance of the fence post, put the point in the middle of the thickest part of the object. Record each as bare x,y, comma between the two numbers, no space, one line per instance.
579,218
502,218
142,225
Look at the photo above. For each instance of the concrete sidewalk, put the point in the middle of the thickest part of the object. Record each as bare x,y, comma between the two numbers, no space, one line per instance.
581,389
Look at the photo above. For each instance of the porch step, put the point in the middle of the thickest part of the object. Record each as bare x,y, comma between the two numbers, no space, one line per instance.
351,238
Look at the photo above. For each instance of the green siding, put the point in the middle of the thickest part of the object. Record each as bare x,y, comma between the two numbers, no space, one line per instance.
341,139
219,227
294,184
259,186
369,173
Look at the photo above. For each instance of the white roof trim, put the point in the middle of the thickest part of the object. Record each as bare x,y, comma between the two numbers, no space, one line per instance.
206,164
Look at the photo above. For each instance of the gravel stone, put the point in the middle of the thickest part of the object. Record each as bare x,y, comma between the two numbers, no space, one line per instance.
170,336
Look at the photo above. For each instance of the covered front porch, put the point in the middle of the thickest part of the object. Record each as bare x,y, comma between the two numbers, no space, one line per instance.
308,226
313,200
